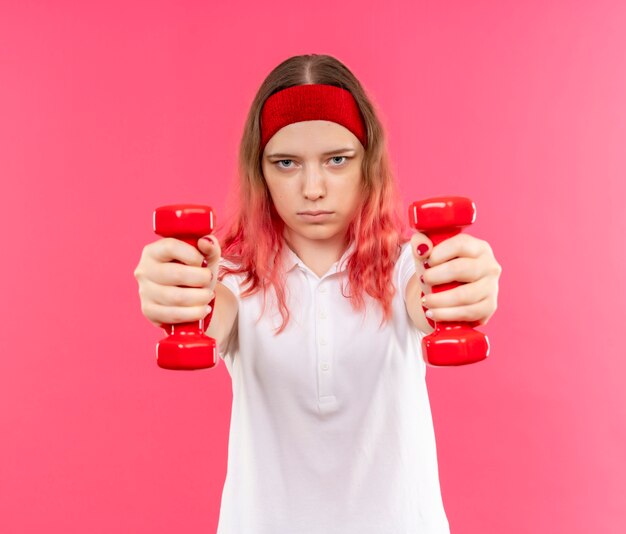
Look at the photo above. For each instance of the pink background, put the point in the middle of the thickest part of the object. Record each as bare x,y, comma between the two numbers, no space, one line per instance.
108,111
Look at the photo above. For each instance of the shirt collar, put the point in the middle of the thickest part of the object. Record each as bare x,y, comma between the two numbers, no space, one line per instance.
290,260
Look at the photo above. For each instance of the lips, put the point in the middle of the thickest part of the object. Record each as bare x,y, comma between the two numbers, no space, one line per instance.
314,212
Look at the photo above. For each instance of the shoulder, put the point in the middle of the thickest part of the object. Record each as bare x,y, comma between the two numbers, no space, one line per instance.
229,275
230,264
405,252
405,264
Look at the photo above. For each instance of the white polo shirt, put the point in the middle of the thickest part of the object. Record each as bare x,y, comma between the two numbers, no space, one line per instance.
331,429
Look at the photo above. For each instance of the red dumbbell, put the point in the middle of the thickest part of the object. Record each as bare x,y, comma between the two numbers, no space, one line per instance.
186,347
452,343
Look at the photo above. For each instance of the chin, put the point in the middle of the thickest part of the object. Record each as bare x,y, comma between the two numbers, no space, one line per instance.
319,231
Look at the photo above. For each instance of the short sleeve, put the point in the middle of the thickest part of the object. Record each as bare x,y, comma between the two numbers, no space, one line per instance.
232,282
406,267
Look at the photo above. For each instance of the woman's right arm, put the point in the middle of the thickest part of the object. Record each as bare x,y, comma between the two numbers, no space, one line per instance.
164,301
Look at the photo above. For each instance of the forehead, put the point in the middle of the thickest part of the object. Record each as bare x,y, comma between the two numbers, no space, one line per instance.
311,136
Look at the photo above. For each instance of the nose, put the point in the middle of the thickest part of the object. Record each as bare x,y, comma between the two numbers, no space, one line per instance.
314,185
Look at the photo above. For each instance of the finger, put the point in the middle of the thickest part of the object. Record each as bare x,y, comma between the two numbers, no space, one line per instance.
463,295
471,313
426,288
177,274
421,246
458,246
456,270
175,315
179,296
170,248
210,247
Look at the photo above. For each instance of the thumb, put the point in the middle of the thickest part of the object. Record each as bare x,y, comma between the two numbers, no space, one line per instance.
210,247
421,246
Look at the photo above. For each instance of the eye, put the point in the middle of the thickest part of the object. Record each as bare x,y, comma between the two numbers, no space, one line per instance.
280,161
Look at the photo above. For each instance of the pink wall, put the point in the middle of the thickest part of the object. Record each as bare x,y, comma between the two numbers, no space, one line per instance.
109,111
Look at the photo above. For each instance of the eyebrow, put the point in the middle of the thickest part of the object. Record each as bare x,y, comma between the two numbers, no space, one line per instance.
337,151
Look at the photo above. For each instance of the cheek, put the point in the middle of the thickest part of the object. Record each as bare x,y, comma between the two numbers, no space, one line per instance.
273,185
273,181
282,198
351,190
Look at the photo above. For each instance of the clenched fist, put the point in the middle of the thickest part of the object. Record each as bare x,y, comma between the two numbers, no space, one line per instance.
171,292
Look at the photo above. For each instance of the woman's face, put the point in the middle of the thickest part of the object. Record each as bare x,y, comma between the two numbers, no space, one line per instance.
314,166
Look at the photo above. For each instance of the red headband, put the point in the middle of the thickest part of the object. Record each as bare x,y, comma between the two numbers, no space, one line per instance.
311,102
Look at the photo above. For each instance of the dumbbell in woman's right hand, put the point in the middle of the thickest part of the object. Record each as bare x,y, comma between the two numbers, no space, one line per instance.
176,284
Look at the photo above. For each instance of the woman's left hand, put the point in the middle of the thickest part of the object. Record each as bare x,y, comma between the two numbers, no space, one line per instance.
461,258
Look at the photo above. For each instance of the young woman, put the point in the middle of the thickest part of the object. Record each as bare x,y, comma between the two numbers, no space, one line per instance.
318,317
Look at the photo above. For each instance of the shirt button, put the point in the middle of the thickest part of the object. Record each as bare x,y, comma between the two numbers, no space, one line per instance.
322,315
322,289
322,341
325,367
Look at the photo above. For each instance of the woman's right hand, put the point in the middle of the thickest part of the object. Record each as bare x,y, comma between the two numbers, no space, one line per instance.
163,301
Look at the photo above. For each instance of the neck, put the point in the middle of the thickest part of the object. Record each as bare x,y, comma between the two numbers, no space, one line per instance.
317,255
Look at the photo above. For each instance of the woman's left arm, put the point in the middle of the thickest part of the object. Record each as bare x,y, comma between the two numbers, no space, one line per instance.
461,258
